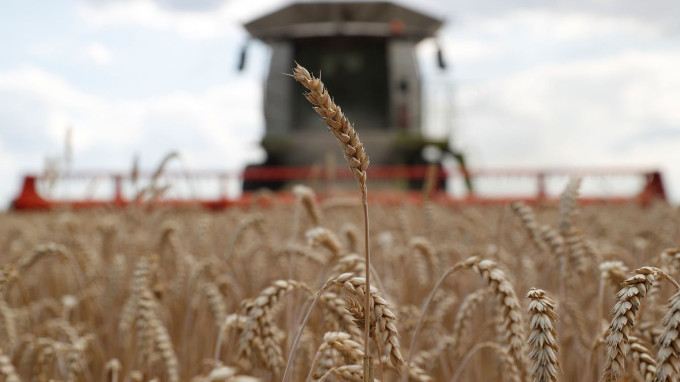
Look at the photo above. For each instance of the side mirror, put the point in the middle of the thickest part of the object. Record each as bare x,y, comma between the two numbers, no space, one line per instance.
242,58
440,58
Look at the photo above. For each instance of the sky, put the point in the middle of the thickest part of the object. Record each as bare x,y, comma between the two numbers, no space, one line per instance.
530,83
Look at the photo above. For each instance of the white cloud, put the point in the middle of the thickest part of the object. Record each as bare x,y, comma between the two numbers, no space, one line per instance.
608,111
221,21
99,54
564,26
66,104
458,50
211,128
658,14
42,49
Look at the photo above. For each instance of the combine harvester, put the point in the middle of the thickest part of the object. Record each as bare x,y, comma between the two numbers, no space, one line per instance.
365,52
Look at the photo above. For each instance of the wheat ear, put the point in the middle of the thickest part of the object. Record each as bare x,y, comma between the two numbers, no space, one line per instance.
512,325
615,271
353,373
339,279
320,236
343,343
424,248
668,362
307,199
385,331
8,320
7,369
577,247
426,305
463,318
349,263
336,312
75,354
643,359
259,324
338,124
254,220
112,370
464,314
504,355
630,296
152,335
144,270
557,246
350,232
674,253
526,214
215,301
303,251
543,337
567,205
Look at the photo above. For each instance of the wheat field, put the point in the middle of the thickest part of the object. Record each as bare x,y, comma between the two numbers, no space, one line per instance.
310,291
145,294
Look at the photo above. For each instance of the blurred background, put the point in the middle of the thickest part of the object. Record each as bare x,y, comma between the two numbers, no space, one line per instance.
94,84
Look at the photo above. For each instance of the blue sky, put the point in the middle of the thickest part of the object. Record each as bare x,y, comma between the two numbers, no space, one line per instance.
533,83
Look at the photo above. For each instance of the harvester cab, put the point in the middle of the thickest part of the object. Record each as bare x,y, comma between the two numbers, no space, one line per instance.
365,54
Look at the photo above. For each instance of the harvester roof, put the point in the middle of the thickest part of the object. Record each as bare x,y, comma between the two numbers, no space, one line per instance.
317,19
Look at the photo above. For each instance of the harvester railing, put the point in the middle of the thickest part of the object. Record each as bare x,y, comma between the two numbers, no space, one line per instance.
221,189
